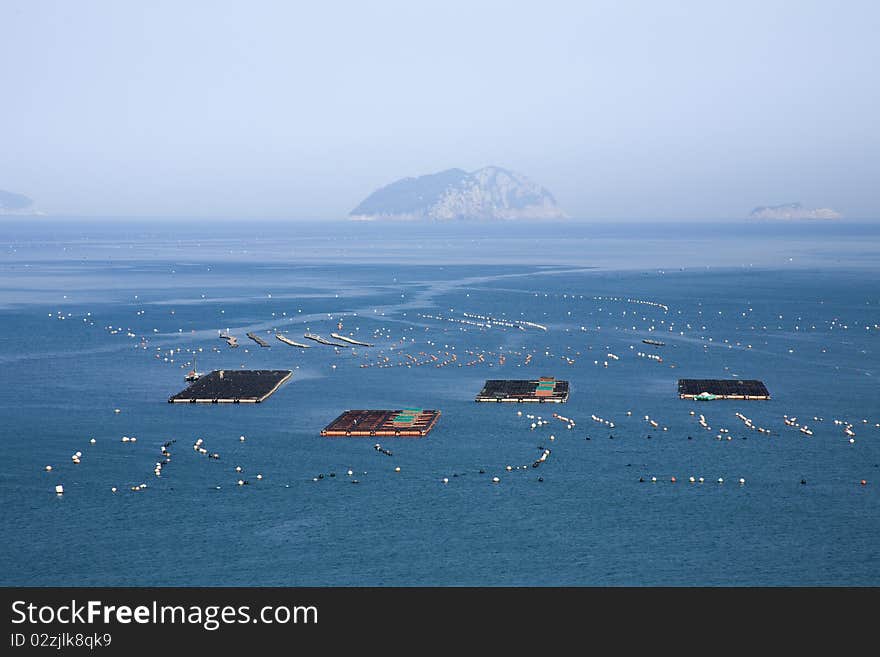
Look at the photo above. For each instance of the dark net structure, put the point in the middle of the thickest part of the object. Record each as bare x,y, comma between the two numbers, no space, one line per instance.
722,388
233,386
545,389
411,422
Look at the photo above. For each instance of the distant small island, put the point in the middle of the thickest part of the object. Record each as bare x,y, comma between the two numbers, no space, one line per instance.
487,194
11,203
793,211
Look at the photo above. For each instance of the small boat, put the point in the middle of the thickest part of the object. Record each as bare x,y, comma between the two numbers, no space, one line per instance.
319,339
256,338
656,343
337,336
287,340
193,375
231,340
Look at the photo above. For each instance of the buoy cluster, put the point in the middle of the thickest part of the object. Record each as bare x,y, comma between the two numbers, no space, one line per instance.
692,479
199,446
350,473
643,302
749,424
602,420
793,422
538,421
166,457
562,418
847,428
541,459
382,450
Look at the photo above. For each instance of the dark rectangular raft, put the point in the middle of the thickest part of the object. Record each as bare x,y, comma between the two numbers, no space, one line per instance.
722,389
232,387
407,422
545,389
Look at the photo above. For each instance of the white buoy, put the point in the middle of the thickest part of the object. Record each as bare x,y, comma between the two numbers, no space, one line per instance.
653,480
92,441
116,410
519,413
59,489
742,480
240,482
495,480
720,480
445,480
259,476
509,468
349,473
133,439
692,479
48,468
125,439
238,468
397,469
701,480
241,439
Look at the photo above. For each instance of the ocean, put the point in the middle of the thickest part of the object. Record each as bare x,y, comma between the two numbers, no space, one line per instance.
98,316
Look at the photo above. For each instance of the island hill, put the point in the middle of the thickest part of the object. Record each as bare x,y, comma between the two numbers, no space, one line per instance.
793,211
487,194
11,203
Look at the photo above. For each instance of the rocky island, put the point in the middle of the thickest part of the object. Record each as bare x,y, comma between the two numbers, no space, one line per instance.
487,194
793,211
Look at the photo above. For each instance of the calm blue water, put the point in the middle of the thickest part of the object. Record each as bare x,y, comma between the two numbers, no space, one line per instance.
797,306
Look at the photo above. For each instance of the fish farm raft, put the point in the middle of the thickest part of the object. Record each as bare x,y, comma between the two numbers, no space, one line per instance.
232,387
545,389
407,422
702,389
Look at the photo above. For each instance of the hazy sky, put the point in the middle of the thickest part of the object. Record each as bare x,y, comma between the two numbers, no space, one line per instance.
300,109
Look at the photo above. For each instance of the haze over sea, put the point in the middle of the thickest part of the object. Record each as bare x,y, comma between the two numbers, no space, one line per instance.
98,316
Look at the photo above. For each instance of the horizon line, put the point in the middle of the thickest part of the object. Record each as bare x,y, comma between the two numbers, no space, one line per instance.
279,219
